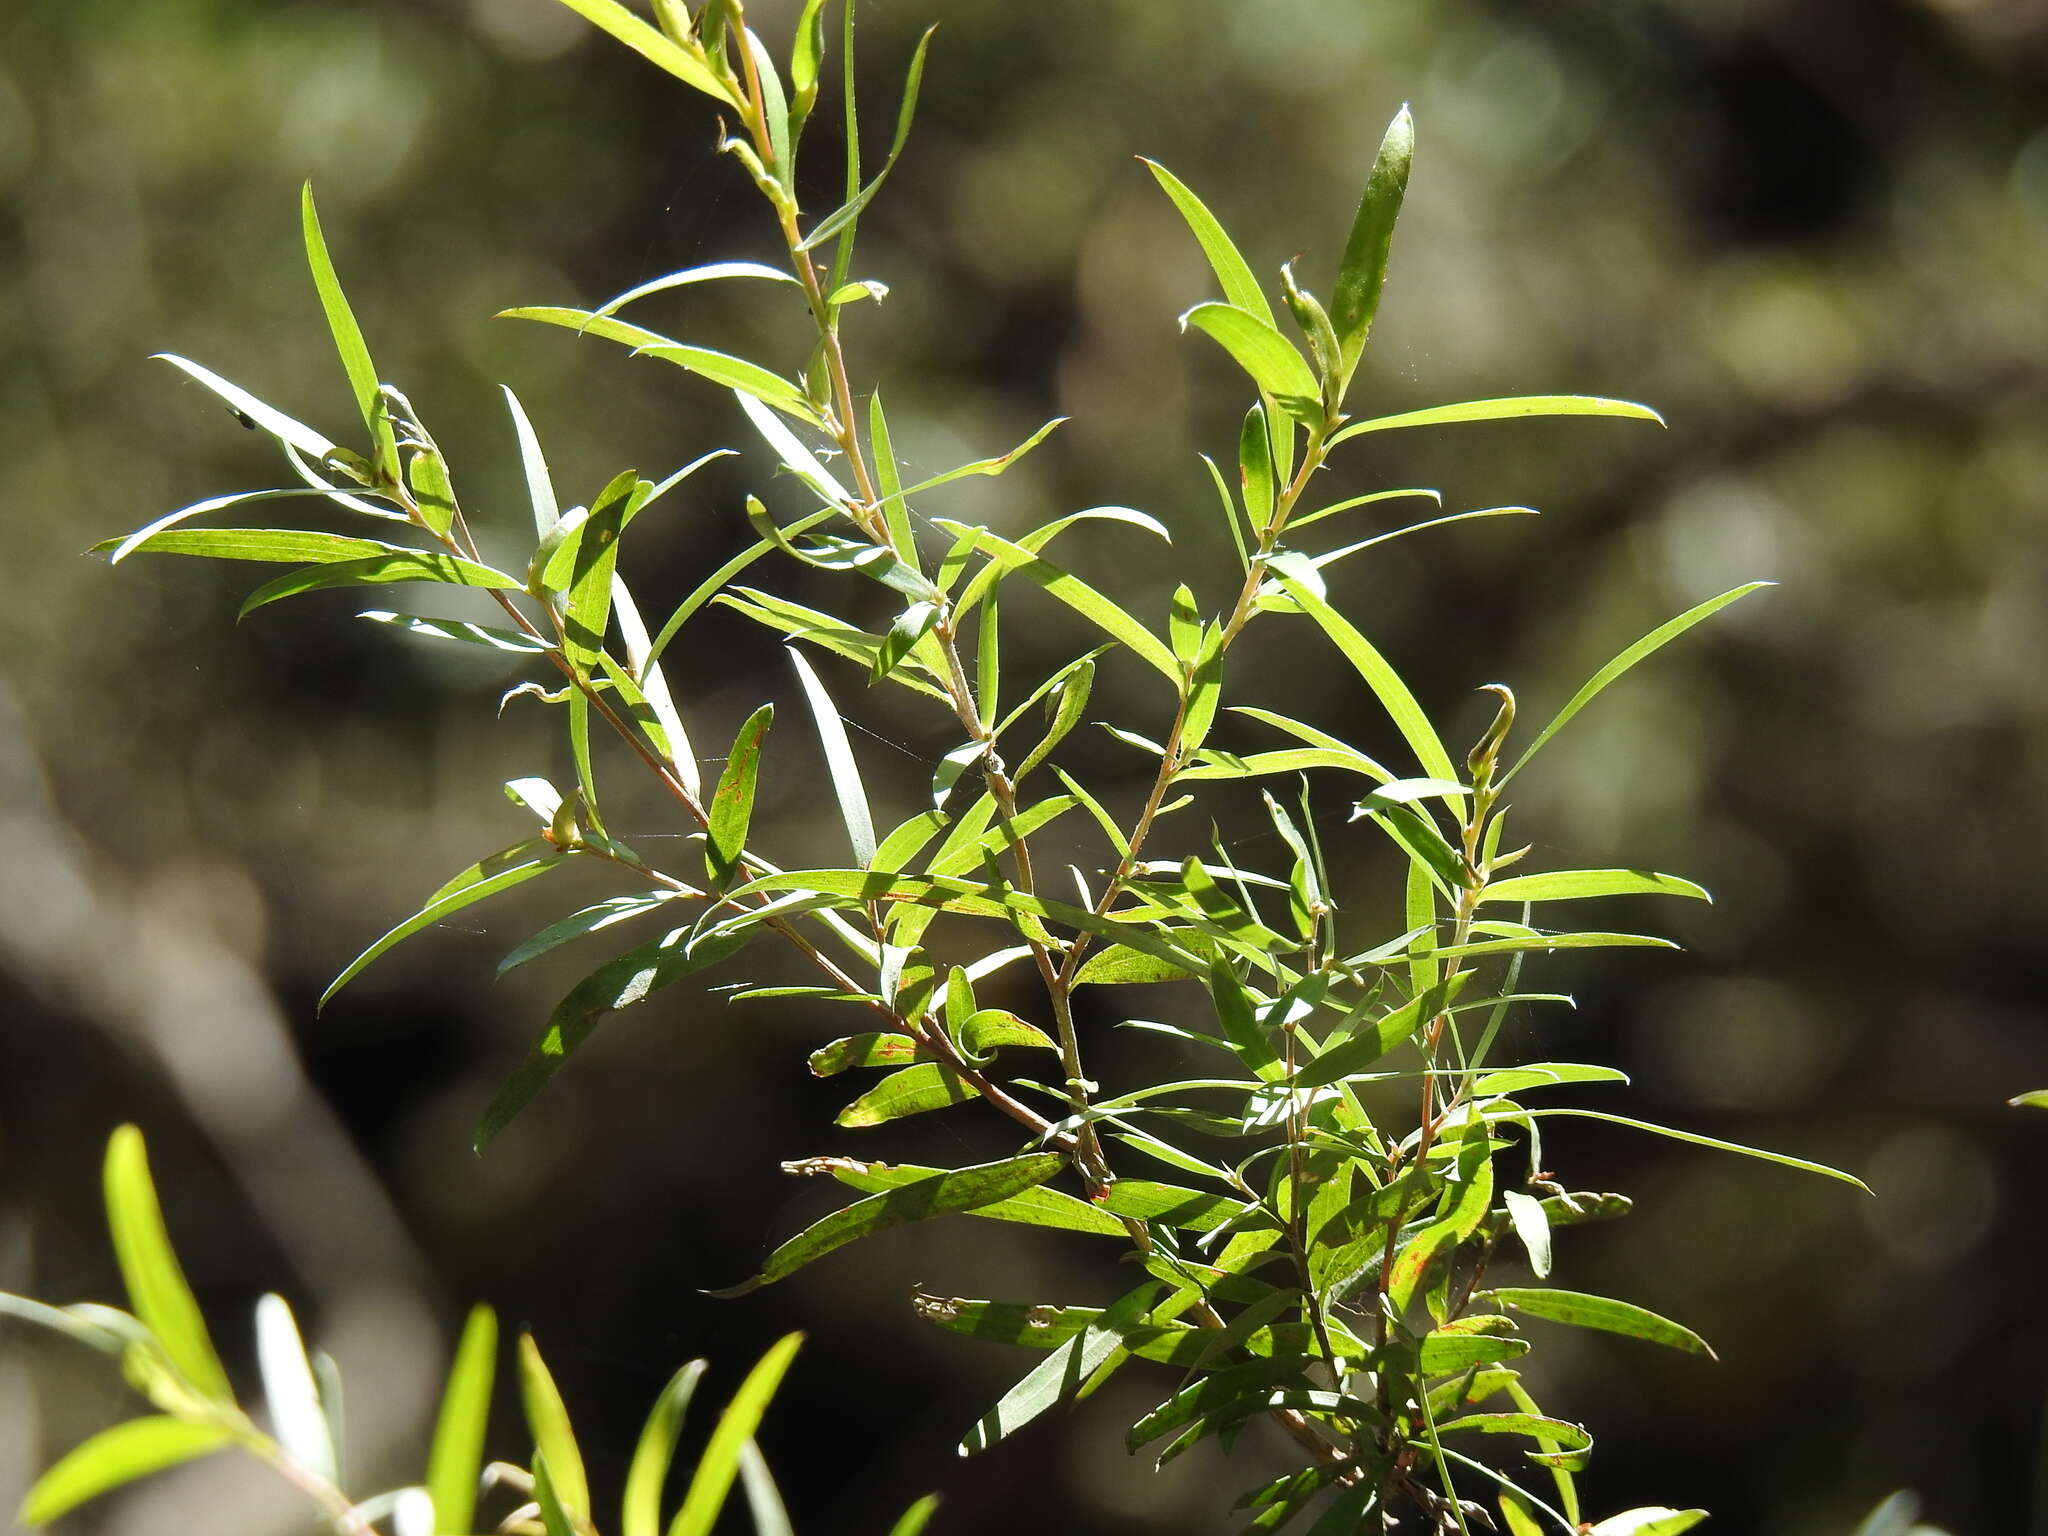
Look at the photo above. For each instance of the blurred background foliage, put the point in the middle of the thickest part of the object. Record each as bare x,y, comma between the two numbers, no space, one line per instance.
1813,232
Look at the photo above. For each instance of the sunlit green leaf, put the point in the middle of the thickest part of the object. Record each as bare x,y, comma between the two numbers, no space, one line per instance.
734,373
839,764
456,1459
1043,1206
379,570
686,64
1062,1373
736,1427
1501,410
1655,640
501,871
1262,352
1695,1139
275,422
348,338
1362,274
913,1091
959,1190
843,216
1240,287
629,979
118,1456
1657,1521
732,804
548,1421
157,1291
1602,1312
640,1507
1567,885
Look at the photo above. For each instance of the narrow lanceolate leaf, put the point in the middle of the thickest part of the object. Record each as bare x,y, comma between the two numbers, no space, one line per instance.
1078,595
348,336
274,546
990,467
1232,271
1602,1312
631,978
1362,274
719,367
914,1519
1271,360
1694,1138
844,216
2037,1099
796,458
456,1458
1571,884
711,273
1532,1226
540,486
686,64
913,1091
1040,1207
117,1456
960,1190
1654,641
280,426
500,872
1502,410
736,1427
839,764
1382,679
1571,1439
640,1507
380,570
1658,1521
1062,1373
297,1421
732,804
1368,1042
484,635
157,1292
548,1422
1551,941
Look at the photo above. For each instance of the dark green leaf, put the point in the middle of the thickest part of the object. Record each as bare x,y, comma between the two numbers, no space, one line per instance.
619,984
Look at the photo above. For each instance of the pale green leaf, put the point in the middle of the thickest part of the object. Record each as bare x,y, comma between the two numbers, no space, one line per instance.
118,1456
686,64
1571,884
455,1460
1601,1312
547,1419
1655,640
280,426
297,1421
640,1508
839,763
735,1429
1272,361
1233,272
157,1291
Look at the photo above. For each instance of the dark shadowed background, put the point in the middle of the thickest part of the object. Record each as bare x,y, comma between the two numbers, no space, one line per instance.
1813,232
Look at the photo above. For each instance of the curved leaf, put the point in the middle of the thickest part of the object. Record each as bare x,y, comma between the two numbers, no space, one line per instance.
157,1290
1232,271
1572,884
1271,360
1602,1312
1501,410
117,1456
380,570
640,1508
456,1457
942,1194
